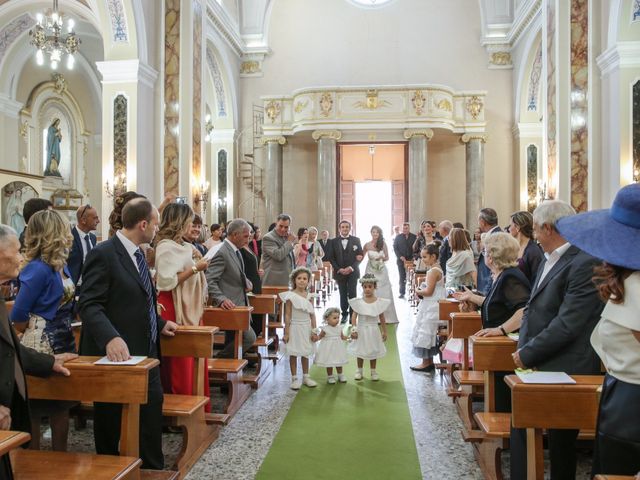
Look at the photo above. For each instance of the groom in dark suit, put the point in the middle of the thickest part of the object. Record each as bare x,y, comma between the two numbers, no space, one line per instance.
345,254
119,319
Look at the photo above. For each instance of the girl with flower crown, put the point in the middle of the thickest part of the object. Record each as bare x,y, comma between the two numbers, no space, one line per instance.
368,337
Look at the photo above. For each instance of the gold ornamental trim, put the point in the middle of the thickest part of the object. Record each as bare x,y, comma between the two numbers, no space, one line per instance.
467,137
326,104
474,107
273,139
416,132
332,134
273,110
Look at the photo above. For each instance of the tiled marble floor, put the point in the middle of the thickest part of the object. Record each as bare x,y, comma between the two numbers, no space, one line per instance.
243,444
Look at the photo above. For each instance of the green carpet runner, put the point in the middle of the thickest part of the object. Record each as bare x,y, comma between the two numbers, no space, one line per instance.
357,430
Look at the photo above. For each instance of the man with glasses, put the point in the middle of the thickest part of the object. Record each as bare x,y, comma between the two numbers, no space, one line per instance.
83,240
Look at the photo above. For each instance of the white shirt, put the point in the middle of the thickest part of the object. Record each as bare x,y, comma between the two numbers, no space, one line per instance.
344,241
552,259
235,249
83,242
131,248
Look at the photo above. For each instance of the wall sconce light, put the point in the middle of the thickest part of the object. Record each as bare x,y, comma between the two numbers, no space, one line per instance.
118,187
202,196
208,127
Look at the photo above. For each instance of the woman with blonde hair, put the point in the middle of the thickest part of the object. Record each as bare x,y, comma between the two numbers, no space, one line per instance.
44,306
181,288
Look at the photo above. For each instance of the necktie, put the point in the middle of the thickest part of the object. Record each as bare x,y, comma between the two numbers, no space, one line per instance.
19,376
87,242
146,281
239,255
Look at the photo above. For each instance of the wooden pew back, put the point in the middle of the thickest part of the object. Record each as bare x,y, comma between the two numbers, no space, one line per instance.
492,354
237,320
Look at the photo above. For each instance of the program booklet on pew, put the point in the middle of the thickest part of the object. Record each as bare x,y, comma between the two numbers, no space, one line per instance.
132,361
529,376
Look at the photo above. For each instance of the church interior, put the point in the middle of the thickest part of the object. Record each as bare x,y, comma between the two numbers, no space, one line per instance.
374,112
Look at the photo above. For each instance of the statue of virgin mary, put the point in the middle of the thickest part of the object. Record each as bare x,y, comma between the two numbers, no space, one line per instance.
54,137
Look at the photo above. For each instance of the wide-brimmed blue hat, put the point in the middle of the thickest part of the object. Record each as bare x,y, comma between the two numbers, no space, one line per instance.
612,234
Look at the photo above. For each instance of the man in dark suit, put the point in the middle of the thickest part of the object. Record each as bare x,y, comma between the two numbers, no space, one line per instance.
444,229
119,318
558,320
345,256
324,242
227,282
83,240
16,358
403,248
487,223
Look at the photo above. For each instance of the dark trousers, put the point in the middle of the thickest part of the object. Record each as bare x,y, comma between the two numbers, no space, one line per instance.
106,426
562,453
617,449
403,276
348,287
5,468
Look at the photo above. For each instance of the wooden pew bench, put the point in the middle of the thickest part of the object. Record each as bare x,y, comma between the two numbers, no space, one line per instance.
263,305
228,372
10,440
491,355
276,322
537,407
94,383
445,309
187,411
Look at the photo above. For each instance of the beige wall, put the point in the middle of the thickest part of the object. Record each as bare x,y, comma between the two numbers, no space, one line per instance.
333,43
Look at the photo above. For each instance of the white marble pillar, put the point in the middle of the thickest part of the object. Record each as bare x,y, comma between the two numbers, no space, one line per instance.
474,156
327,187
417,175
273,175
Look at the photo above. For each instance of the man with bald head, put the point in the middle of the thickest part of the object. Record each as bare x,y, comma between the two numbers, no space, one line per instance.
83,240
118,309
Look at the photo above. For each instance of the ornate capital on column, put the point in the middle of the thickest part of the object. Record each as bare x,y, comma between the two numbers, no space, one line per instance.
467,137
332,134
426,132
272,139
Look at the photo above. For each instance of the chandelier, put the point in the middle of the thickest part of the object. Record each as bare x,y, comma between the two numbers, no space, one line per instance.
48,38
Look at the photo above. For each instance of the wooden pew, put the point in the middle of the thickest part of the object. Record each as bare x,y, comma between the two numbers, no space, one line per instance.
95,383
10,440
418,279
187,411
228,371
276,323
464,325
263,305
445,309
537,407
491,355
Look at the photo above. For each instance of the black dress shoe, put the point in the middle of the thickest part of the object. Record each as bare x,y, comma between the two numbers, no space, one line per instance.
401,295
428,368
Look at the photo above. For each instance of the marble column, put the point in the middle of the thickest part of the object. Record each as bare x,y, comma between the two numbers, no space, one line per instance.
273,175
327,187
417,175
474,161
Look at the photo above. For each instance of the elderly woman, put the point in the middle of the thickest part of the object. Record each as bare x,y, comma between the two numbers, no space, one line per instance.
44,308
529,254
182,288
506,299
314,258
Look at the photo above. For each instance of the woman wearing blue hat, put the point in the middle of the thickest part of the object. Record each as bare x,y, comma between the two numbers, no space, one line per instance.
613,235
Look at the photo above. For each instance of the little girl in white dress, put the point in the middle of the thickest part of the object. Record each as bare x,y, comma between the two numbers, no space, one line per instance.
425,330
299,326
368,338
332,351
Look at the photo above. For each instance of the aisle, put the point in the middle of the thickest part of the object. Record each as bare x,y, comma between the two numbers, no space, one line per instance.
354,430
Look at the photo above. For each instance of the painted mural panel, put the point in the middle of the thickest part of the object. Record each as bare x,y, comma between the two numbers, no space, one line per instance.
171,95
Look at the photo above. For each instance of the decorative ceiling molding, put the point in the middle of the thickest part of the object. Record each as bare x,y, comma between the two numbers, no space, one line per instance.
341,108
10,32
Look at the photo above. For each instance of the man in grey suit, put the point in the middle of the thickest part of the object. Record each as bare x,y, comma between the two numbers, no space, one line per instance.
563,310
277,252
227,282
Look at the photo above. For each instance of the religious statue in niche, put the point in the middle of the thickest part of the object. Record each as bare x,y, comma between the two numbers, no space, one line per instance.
14,195
54,138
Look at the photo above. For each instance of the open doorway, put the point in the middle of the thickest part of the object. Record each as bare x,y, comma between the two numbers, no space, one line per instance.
372,186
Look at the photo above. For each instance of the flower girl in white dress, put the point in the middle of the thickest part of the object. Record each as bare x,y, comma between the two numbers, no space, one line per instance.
299,326
332,351
368,337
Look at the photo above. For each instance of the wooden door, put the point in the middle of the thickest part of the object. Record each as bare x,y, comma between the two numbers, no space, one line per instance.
397,203
347,203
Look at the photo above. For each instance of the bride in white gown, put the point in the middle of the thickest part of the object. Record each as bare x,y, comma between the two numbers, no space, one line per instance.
377,254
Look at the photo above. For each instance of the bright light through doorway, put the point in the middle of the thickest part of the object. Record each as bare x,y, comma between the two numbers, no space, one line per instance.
373,207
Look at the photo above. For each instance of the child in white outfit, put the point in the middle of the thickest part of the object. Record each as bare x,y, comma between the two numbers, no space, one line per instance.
332,351
299,326
368,337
